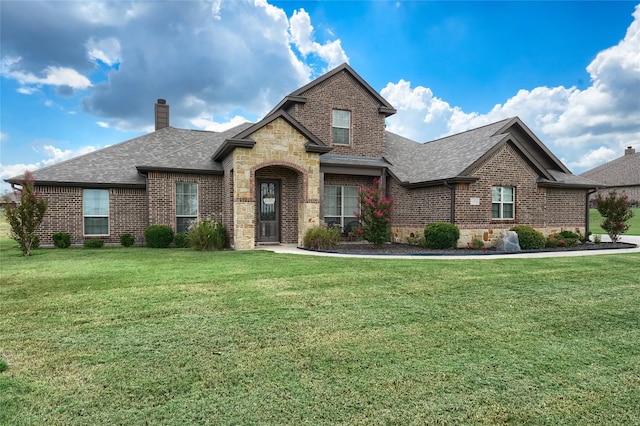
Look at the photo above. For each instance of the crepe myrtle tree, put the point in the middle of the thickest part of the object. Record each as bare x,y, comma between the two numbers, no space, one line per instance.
25,218
616,212
375,214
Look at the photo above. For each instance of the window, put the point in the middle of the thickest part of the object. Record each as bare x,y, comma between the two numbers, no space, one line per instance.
186,205
502,199
341,126
340,204
95,206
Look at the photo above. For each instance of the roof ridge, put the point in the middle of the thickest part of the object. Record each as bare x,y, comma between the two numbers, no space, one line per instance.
469,130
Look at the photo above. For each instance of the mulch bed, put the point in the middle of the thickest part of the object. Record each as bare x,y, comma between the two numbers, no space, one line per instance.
409,250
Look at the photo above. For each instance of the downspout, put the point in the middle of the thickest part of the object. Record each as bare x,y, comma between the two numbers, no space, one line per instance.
586,212
453,201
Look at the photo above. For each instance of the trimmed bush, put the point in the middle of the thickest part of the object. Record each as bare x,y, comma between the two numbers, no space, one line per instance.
127,240
529,238
568,234
181,240
322,237
93,243
206,235
158,236
441,235
61,239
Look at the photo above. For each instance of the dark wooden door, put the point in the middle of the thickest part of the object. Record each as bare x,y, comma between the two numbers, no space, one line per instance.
268,211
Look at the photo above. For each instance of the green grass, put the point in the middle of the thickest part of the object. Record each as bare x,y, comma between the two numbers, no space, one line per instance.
175,336
595,219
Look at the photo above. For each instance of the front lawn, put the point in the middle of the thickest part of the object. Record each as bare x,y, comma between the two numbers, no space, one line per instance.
174,336
595,219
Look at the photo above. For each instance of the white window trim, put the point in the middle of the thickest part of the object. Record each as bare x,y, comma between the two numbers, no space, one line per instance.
197,203
84,216
334,125
502,203
342,215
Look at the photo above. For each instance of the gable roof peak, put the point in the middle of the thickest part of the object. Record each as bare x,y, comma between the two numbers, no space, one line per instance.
297,96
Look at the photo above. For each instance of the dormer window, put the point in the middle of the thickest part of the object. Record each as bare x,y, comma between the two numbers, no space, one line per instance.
341,126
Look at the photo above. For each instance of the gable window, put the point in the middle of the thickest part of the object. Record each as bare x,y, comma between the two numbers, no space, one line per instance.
502,202
186,205
95,207
340,204
341,126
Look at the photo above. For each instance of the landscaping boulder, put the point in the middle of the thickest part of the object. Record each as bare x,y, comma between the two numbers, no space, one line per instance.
509,243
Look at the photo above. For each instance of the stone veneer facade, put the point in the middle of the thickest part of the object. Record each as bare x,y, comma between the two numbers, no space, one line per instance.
279,153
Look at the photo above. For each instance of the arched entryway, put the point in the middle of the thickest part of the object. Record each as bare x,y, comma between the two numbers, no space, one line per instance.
279,192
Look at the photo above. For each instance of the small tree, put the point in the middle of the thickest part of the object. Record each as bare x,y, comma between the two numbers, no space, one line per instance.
25,218
616,212
375,214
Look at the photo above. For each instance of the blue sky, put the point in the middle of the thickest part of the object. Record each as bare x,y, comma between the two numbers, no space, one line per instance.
78,76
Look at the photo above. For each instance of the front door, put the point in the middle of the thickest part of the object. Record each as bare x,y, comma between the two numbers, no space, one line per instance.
268,211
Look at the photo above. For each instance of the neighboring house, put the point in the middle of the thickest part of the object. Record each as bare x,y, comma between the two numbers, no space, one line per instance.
621,175
269,182
9,198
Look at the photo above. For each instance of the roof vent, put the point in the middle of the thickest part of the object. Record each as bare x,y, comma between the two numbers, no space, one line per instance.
629,151
161,114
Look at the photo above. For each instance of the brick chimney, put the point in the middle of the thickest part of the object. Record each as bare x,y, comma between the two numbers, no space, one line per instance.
162,114
629,151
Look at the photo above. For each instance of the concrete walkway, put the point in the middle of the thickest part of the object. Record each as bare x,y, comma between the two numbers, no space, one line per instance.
293,249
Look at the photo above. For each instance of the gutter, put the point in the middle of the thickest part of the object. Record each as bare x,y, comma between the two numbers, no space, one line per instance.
453,201
586,211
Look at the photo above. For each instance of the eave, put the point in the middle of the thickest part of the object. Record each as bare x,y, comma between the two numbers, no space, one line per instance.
438,182
229,145
146,169
68,184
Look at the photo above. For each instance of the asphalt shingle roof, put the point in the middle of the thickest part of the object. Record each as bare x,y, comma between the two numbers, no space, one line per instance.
445,158
171,148
623,171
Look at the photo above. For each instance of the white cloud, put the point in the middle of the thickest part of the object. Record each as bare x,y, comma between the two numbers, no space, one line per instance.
214,126
51,75
106,50
301,32
591,126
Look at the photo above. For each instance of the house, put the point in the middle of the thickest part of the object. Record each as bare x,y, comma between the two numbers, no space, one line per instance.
270,181
621,175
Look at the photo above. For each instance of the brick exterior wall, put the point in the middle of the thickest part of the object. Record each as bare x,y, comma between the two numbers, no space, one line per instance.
415,208
631,191
127,214
161,189
549,210
343,92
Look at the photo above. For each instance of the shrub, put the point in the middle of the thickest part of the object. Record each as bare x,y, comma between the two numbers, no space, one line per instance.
529,238
616,212
61,239
25,218
321,237
127,240
93,243
3,365
416,240
207,234
475,244
441,235
181,240
568,234
375,214
158,236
